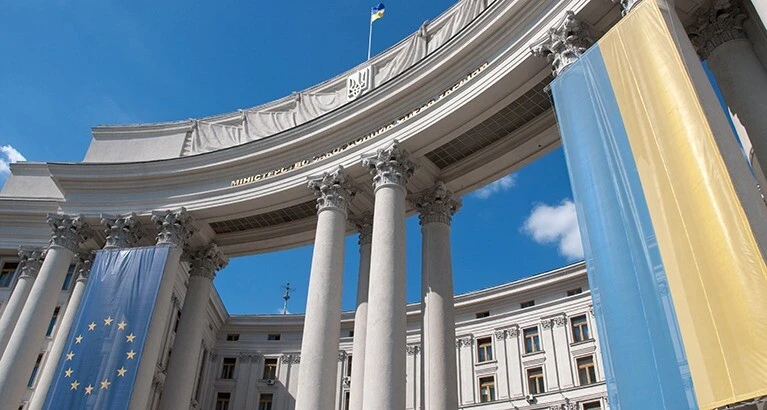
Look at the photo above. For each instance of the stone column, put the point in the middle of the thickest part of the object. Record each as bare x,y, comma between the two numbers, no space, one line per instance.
24,345
436,208
182,369
174,229
49,370
30,261
563,44
322,327
719,38
365,227
385,337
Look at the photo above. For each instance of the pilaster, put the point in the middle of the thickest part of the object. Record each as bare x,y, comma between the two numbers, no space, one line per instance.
564,43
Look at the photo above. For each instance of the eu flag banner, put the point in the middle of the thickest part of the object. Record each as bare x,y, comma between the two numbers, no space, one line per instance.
98,367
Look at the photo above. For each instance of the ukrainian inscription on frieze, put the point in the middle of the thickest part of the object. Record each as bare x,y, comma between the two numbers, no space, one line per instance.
343,147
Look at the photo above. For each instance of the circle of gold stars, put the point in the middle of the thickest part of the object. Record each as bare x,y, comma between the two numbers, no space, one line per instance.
104,385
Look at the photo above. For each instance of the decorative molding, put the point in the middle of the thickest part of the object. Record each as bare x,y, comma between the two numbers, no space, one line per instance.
174,228
84,264
413,350
207,261
122,231
591,310
30,260
546,323
342,355
68,231
564,43
213,357
437,205
359,83
464,341
534,362
560,321
507,333
333,189
364,225
390,166
584,351
291,358
720,24
626,5
250,358
158,383
347,381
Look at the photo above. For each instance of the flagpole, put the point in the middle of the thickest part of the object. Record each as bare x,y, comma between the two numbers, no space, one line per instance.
370,38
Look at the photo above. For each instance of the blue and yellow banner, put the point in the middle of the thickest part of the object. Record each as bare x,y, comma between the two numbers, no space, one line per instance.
673,253
376,12
98,367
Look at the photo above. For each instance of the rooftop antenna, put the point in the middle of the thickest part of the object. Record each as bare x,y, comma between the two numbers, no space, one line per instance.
287,288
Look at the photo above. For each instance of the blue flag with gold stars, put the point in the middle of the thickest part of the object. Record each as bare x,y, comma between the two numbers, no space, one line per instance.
98,366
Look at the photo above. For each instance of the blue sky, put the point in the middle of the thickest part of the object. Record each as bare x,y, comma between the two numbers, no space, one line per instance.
68,66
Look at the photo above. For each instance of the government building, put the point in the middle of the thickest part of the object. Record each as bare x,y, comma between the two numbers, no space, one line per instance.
107,265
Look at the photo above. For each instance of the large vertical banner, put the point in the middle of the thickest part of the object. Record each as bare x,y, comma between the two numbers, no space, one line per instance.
673,252
98,367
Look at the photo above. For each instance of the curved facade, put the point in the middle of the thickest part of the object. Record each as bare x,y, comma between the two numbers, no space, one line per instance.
458,104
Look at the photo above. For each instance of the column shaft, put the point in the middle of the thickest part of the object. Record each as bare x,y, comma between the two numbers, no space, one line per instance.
360,321
439,367
13,309
385,339
322,327
24,345
46,376
182,369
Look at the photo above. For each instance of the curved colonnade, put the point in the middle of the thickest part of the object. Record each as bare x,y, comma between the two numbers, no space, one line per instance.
449,118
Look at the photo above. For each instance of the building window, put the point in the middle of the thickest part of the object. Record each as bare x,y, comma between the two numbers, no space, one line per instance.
486,389
349,366
275,336
227,370
532,341
593,405
232,337
580,328
529,303
34,370
178,320
485,349
347,399
351,333
68,278
222,401
480,315
573,292
52,323
265,402
270,369
586,372
535,380
6,274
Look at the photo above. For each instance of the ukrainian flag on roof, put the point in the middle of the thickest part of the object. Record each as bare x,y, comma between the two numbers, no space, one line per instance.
376,12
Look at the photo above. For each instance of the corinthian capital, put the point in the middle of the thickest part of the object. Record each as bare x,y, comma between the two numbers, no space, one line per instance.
437,205
84,263
207,261
390,166
626,5
174,228
563,44
122,231
30,260
364,225
68,231
722,23
333,189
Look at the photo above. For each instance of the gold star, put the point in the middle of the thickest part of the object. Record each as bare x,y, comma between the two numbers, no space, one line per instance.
79,339
68,372
108,321
88,389
121,371
92,326
121,325
130,338
131,354
70,355
74,385
105,384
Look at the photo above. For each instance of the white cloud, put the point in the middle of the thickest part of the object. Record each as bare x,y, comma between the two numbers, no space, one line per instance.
503,184
9,156
556,224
